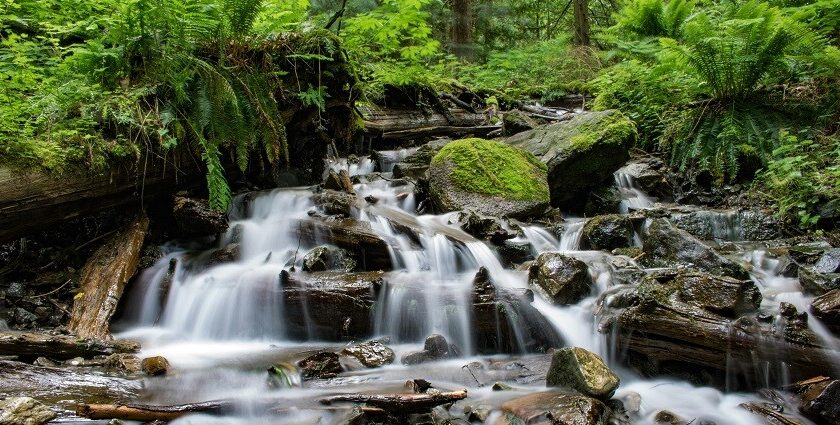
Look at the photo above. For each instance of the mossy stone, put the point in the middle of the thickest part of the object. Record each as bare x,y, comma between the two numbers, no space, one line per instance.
583,371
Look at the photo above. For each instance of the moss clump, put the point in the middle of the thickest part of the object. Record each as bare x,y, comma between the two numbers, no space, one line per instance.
495,169
613,129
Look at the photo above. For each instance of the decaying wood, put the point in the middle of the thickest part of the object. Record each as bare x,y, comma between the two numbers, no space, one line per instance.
451,131
103,280
31,345
802,386
400,403
139,412
770,416
383,120
458,102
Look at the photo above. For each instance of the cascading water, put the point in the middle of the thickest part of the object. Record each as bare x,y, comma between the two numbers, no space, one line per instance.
201,312
632,197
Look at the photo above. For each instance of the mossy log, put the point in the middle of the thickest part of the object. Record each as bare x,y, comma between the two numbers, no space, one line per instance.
394,124
31,345
103,280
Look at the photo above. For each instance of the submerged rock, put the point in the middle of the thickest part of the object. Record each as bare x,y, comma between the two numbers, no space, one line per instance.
154,366
667,246
24,411
546,408
608,232
371,354
581,153
583,371
322,365
488,177
560,279
328,258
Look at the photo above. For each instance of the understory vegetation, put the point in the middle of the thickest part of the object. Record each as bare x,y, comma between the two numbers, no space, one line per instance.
744,91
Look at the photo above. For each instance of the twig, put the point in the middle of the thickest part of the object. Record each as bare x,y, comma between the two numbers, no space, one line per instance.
54,290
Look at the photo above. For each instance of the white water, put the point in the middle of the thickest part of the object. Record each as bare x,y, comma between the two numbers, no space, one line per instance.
632,197
226,315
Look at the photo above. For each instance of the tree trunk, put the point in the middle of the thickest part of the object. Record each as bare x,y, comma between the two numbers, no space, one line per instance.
462,29
30,345
581,22
103,280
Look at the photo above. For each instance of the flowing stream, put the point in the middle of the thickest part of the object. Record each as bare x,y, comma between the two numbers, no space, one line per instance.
221,323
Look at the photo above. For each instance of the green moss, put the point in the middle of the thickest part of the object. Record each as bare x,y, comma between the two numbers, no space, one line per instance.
614,128
495,168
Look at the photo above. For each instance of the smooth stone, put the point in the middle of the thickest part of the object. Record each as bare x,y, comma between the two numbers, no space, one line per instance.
583,371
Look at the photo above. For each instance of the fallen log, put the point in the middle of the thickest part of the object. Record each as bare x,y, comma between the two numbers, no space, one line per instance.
770,416
52,383
146,413
451,131
31,345
400,403
103,280
382,120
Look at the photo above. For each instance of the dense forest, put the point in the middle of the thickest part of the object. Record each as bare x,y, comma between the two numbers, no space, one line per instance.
420,212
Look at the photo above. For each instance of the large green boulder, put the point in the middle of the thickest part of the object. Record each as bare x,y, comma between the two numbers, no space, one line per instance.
580,153
490,178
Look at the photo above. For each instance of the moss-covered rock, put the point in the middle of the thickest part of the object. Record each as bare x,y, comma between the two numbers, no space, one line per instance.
488,177
580,153
577,369
516,121
608,232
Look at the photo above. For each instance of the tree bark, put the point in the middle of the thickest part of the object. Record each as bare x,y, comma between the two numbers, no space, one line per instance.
462,29
31,345
582,34
103,280
400,403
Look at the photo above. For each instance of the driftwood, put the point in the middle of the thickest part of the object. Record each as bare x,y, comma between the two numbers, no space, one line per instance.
400,403
30,345
103,280
770,416
139,412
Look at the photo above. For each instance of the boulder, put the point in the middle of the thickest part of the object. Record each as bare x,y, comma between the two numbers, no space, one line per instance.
581,153
667,246
415,165
436,347
608,232
829,262
603,200
821,402
194,217
814,282
321,365
547,408
488,177
125,362
809,253
328,258
516,121
583,371
649,175
371,252
155,366
484,227
826,307
513,253
24,411
560,279
371,354
332,202
339,182
228,254
718,294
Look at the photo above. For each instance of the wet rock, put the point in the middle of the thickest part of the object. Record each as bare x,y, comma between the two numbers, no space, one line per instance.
817,283
829,262
608,232
478,412
371,354
826,307
436,347
155,366
322,365
415,165
227,254
24,411
808,253
581,153
560,279
667,246
821,402
370,251
604,200
516,121
194,217
718,294
649,174
338,181
731,225
328,258
488,177
513,253
665,417
546,408
795,325
332,202
128,363
583,371
45,383
484,227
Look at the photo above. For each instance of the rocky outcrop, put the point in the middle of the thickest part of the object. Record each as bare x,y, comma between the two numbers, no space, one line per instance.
581,153
583,371
608,232
24,411
195,218
328,258
488,177
415,165
550,407
701,326
560,279
667,246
